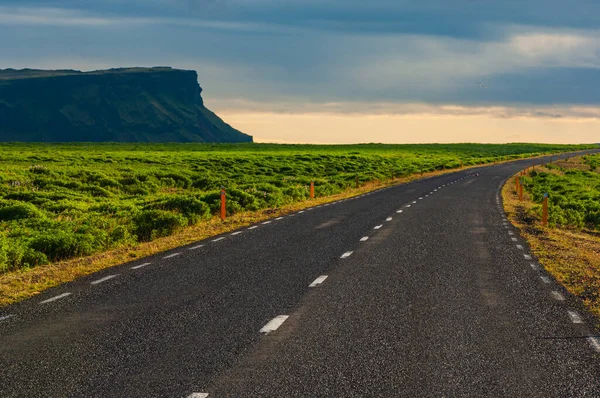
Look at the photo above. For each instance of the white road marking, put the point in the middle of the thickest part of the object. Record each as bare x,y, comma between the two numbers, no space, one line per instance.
414,201
301,211
421,198
103,279
527,256
514,239
198,395
545,279
196,247
218,239
595,343
558,295
140,266
407,205
279,218
398,211
274,324
5,317
236,233
55,298
389,219
266,222
172,255
378,226
364,238
534,266
318,281
256,226
575,318
511,233
431,193
346,255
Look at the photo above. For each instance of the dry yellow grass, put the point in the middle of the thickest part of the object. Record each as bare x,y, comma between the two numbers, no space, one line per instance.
571,256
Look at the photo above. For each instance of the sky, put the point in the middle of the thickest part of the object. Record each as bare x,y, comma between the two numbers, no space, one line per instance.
344,71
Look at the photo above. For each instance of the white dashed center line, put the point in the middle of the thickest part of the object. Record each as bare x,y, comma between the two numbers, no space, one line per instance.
301,211
173,255
279,218
377,226
534,266
274,324
511,233
520,247
398,211
198,395
389,219
527,256
421,198
218,239
407,205
196,247
103,279
55,298
253,227
236,233
575,318
514,239
266,222
5,317
346,255
414,201
140,266
558,296
595,343
364,238
545,279
318,281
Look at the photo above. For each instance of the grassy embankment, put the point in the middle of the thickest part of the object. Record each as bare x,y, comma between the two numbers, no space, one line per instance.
69,210
569,248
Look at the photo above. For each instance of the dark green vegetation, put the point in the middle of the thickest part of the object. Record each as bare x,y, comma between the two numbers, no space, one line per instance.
573,192
62,201
117,105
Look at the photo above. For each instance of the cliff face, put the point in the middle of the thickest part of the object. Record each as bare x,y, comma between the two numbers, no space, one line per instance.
117,105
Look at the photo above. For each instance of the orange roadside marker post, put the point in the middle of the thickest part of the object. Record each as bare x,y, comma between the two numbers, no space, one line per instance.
517,184
545,210
521,192
312,190
223,204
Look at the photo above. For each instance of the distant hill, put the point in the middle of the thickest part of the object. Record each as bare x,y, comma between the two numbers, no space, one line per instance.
117,105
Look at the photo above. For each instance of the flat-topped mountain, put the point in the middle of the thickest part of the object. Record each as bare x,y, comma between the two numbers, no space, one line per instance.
118,105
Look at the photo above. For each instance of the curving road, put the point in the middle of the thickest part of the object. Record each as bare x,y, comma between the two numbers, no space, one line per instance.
419,290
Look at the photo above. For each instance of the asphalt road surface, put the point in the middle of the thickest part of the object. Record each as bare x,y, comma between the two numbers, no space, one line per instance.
419,290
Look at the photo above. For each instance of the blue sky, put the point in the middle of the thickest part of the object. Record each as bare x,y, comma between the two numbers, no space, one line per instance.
539,59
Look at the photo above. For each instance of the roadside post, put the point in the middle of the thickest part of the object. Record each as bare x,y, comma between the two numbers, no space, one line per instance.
517,184
312,190
545,210
521,192
223,204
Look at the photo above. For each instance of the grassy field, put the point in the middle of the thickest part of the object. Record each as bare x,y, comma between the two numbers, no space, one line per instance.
569,248
573,188
59,201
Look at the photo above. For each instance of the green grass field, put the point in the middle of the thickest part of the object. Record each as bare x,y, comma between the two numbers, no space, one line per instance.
573,192
61,201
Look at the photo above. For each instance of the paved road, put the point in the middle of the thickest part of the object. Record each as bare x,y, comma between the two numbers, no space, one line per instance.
439,301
